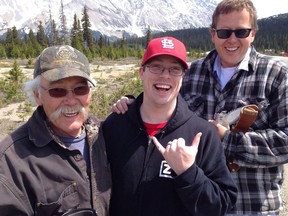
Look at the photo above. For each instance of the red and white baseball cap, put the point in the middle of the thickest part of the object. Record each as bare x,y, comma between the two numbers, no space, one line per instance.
165,46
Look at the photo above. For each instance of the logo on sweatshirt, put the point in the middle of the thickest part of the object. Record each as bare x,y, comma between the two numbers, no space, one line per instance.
165,170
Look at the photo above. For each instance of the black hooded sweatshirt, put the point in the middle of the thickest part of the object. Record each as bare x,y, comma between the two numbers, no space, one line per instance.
142,181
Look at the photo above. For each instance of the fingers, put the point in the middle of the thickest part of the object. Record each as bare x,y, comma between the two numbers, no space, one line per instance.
176,143
130,101
158,145
121,105
215,123
196,140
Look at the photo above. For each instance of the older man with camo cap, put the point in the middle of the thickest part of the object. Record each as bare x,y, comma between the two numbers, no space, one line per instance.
49,166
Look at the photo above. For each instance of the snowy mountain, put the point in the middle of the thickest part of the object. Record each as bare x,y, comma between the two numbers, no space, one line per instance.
109,17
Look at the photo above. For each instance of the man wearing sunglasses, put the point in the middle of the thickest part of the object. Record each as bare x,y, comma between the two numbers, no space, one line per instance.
49,166
186,176
230,78
234,78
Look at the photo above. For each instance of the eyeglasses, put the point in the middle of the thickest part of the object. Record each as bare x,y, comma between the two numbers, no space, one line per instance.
159,69
226,33
62,92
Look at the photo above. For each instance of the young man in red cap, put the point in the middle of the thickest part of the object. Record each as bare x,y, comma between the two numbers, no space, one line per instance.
188,174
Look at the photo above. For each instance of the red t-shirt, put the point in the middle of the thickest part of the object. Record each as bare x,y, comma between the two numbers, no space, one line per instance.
152,129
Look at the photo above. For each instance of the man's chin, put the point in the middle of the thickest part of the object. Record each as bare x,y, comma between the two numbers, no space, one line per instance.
73,130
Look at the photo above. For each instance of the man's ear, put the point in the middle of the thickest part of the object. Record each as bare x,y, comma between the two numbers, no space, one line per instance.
213,34
141,71
253,33
37,96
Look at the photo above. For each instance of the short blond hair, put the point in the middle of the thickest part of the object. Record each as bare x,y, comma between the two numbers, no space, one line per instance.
227,6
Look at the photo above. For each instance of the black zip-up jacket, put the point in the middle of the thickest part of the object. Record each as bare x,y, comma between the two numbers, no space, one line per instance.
39,176
143,183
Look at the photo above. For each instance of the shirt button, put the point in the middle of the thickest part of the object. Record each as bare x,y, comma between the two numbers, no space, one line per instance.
78,157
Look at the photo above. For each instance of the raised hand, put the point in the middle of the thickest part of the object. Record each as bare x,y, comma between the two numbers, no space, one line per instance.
179,156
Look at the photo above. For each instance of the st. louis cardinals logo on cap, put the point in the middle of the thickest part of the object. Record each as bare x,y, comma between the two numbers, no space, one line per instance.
165,46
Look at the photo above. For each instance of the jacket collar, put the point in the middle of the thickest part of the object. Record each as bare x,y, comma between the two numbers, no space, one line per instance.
37,128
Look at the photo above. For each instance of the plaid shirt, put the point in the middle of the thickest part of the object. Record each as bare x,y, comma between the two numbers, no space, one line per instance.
262,151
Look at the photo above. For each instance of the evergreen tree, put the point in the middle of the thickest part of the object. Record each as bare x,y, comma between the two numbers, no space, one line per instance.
31,42
41,36
139,52
123,46
55,40
63,26
9,37
31,38
13,83
111,54
2,52
87,32
15,74
101,41
148,35
33,48
15,51
77,35
101,44
88,53
12,43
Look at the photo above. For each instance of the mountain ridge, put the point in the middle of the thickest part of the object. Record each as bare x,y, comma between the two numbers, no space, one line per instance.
111,18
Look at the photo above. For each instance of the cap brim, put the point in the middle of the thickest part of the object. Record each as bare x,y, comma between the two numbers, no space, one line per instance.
62,73
169,54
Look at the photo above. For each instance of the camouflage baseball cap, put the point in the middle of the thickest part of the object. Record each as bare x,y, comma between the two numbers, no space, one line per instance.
59,62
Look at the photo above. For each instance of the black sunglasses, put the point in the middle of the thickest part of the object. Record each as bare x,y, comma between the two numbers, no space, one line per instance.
62,92
226,33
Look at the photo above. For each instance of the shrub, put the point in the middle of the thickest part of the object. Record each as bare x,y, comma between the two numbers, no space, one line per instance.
102,99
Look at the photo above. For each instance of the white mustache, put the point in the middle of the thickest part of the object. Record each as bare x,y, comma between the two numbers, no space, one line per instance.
68,109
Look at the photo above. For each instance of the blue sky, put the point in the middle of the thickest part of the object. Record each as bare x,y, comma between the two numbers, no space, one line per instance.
266,8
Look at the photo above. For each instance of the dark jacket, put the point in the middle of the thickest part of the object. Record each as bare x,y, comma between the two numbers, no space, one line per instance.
40,176
144,184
